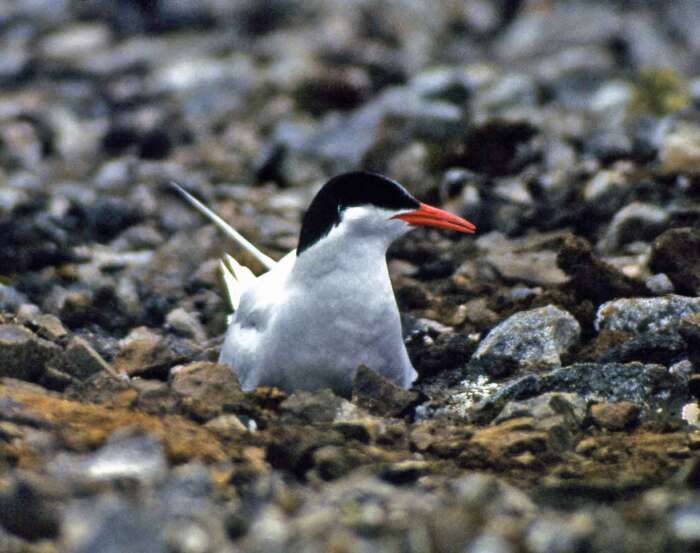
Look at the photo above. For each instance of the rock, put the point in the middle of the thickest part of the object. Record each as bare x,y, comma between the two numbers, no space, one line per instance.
659,392
615,416
23,355
635,222
144,352
646,315
591,277
659,284
125,456
313,407
186,324
676,253
50,327
549,404
534,268
28,510
381,397
207,390
529,340
680,151
82,361
10,298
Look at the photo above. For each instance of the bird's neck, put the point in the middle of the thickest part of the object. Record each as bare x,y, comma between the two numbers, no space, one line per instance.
339,255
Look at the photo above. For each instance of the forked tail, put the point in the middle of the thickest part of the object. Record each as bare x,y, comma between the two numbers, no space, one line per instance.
236,277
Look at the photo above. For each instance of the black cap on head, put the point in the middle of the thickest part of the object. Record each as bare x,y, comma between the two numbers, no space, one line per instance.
347,190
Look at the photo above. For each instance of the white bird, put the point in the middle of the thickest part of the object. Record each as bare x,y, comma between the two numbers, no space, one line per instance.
327,307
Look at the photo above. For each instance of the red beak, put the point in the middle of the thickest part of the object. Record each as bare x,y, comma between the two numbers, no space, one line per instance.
429,216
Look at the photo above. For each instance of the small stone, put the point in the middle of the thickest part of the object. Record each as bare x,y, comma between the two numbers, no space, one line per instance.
23,355
528,340
646,315
615,416
226,425
659,284
186,324
550,404
680,151
82,361
380,396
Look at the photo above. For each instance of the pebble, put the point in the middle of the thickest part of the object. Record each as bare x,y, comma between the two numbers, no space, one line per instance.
615,416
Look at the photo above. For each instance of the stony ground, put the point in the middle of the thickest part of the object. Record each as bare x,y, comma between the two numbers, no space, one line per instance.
558,349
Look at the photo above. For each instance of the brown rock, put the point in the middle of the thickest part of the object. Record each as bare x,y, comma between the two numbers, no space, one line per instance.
676,252
593,278
615,416
50,327
145,353
207,390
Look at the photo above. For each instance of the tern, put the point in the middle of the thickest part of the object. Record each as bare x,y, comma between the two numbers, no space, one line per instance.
327,307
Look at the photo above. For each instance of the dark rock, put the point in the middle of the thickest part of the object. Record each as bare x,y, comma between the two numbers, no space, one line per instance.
661,348
593,278
379,396
82,361
528,340
145,353
677,254
446,352
29,511
659,393
23,355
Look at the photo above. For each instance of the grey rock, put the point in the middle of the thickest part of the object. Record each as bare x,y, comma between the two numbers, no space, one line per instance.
124,457
82,361
549,404
659,284
646,315
529,340
380,396
312,407
635,222
657,391
186,324
10,298
24,355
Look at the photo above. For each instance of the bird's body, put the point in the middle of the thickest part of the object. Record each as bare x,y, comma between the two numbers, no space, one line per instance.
328,307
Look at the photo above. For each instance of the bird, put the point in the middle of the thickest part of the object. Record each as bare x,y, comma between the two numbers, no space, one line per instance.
326,308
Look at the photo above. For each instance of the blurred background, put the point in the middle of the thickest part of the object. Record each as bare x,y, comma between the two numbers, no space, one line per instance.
558,348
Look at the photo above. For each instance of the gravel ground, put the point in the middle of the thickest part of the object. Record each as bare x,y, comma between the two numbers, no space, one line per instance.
558,349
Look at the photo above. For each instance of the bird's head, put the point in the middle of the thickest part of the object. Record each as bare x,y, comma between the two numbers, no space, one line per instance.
368,205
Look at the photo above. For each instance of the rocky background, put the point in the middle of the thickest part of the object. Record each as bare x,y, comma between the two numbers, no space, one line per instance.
558,349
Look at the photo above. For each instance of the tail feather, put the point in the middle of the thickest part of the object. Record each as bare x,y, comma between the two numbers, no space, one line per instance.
227,229
231,285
